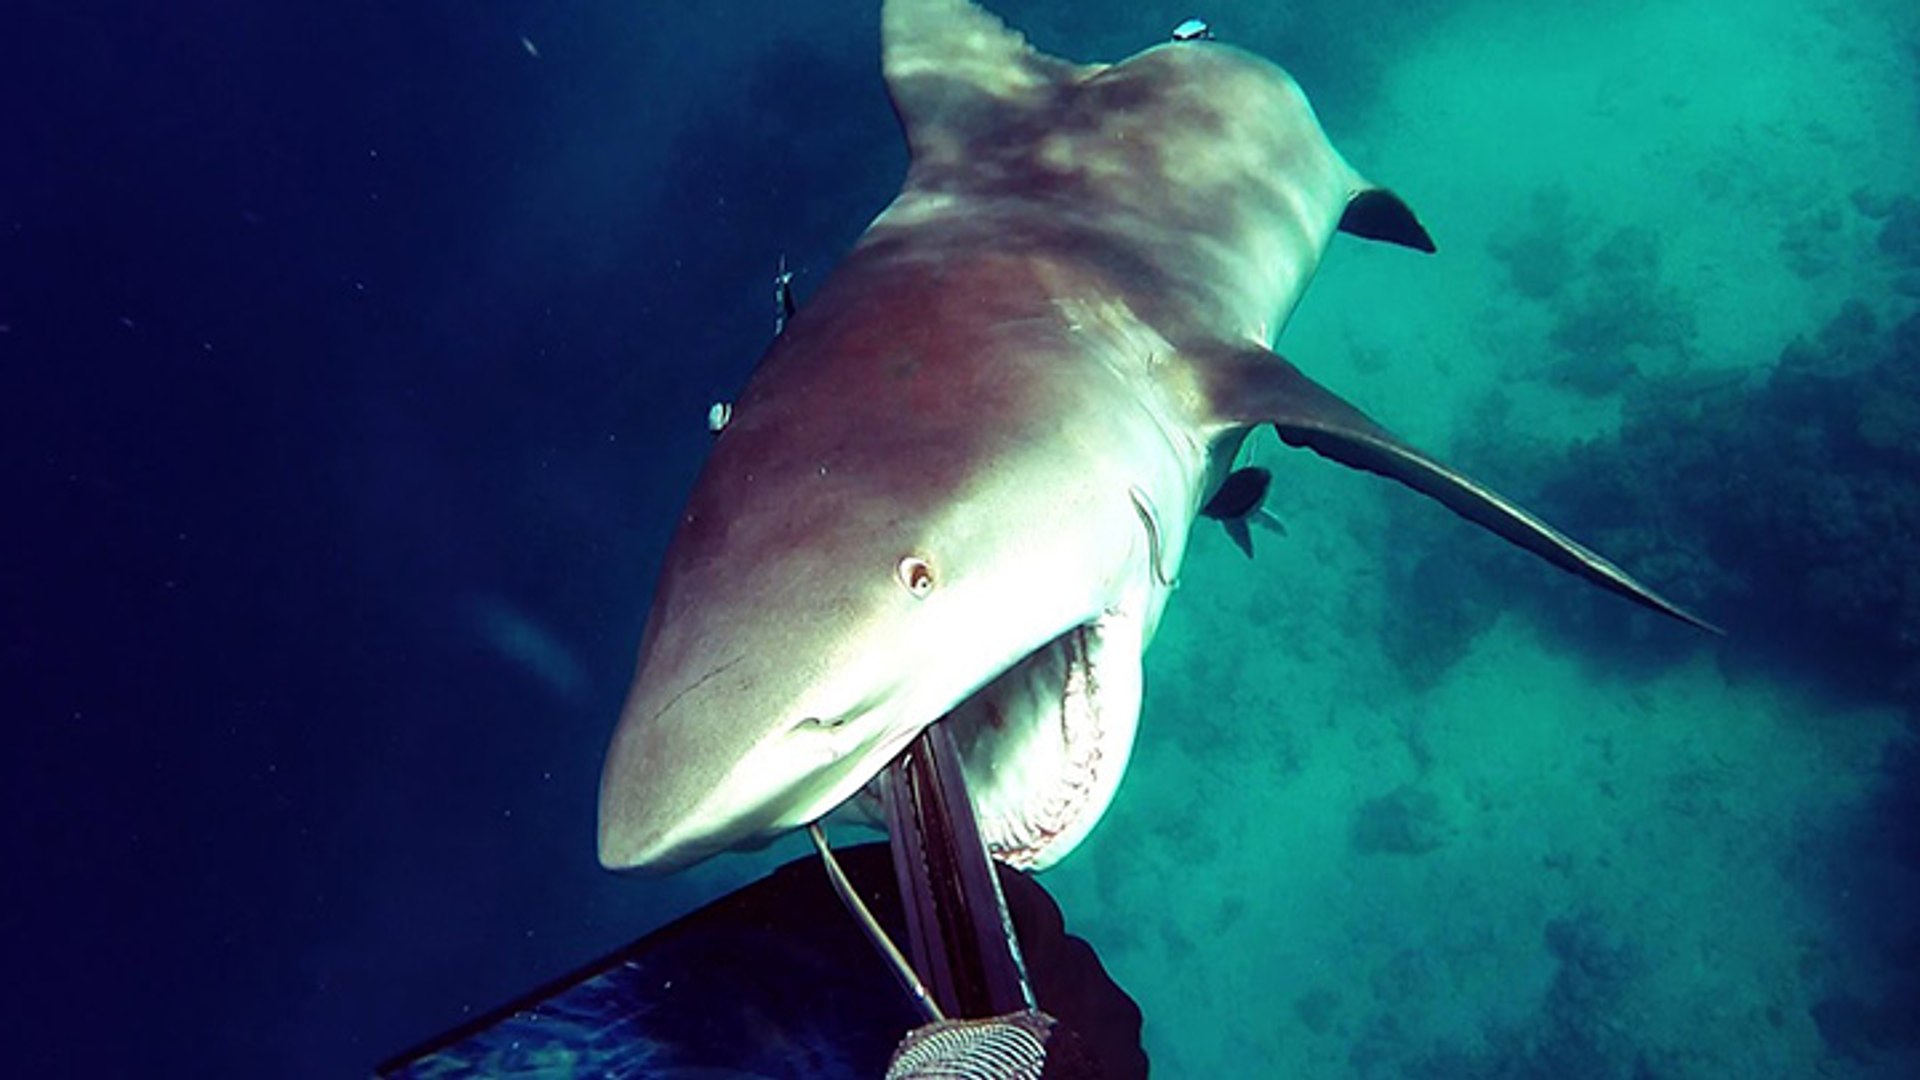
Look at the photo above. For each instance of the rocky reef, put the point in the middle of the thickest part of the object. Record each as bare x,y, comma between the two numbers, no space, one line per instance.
1788,507
1781,500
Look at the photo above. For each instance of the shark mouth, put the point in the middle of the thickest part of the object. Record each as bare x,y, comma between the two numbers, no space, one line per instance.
1044,745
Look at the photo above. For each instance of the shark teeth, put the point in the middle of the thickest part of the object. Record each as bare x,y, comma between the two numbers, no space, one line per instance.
1045,744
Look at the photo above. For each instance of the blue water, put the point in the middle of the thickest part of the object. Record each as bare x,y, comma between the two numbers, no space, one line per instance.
354,362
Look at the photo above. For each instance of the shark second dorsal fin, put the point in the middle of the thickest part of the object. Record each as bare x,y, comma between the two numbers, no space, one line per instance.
1251,385
1378,214
951,65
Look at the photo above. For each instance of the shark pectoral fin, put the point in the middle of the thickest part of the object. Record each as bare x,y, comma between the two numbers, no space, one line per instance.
1262,387
1379,214
1237,502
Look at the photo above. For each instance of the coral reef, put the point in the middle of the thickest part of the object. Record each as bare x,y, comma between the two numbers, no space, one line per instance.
1785,506
1612,308
1870,872
1893,817
1621,310
1318,1009
1860,1030
1580,1029
1792,508
1899,235
1578,1032
1405,821
1441,614
1900,230
1539,254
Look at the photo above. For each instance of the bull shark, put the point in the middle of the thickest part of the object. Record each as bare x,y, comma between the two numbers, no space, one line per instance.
962,480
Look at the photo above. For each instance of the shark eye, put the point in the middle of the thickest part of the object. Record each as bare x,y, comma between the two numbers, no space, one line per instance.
915,573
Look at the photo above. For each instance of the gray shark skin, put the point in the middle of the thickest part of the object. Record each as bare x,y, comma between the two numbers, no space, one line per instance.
963,479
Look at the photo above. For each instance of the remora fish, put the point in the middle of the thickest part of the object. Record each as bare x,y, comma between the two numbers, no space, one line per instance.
963,479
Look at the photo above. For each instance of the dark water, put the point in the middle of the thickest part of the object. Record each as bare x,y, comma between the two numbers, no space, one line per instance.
356,360
349,349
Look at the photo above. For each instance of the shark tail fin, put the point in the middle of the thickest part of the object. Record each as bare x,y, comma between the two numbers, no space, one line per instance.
950,64
1252,385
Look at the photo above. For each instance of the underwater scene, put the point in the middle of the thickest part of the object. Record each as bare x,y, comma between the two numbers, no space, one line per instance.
358,366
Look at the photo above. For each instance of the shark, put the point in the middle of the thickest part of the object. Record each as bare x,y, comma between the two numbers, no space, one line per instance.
960,484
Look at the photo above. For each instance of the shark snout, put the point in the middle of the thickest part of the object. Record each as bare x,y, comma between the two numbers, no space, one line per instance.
717,777
654,819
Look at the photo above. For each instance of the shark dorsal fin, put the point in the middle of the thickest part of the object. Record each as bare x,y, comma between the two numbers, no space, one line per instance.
951,65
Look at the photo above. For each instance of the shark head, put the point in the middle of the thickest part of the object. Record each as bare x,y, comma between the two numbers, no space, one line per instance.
828,594
960,484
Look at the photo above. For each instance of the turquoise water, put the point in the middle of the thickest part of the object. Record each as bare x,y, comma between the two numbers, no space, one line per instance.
1403,805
